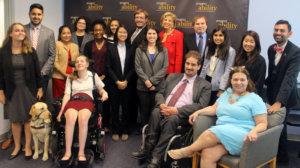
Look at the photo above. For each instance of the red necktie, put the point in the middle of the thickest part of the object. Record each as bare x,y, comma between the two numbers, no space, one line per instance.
279,49
177,93
34,38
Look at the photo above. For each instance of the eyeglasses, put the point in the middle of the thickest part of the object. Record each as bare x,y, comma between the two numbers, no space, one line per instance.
81,23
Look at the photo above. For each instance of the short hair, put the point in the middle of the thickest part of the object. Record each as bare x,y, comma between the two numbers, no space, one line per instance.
284,22
100,22
199,17
86,23
116,39
138,11
36,5
241,69
60,30
195,54
174,17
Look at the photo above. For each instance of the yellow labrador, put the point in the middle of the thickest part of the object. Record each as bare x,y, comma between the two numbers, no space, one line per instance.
40,128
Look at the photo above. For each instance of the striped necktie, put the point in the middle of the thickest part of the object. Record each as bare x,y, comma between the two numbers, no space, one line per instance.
34,38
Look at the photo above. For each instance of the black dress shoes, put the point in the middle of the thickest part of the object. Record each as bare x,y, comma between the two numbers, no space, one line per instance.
155,163
11,157
143,152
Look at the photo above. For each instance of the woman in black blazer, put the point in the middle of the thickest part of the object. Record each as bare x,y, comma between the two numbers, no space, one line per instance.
119,64
20,84
249,56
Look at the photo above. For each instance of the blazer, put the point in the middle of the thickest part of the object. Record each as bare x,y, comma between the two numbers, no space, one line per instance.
113,64
86,38
154,71
32,72
201,94
139,38
174,44
45,48
221,72
61,59
282,79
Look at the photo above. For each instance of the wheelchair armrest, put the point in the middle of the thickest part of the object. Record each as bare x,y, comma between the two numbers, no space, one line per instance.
267,144
202,123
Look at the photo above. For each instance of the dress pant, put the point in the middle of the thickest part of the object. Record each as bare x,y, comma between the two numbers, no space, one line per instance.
147,101
134,102
120,97
161,130
283,144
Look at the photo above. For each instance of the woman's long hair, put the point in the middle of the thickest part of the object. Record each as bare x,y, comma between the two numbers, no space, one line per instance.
26,46
224,47
242,58
241,69
74,74
144,45
108,31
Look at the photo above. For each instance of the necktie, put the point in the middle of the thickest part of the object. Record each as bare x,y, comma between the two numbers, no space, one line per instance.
34,38
177,93
200,44
279,49
134,35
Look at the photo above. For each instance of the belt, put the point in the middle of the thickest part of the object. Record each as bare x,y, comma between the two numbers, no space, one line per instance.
81,98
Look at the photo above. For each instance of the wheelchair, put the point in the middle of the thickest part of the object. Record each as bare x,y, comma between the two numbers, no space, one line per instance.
95,143
183,137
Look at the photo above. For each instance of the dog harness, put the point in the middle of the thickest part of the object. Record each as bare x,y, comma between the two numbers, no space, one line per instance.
44,125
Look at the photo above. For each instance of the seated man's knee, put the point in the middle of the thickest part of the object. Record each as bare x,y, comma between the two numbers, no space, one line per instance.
156,113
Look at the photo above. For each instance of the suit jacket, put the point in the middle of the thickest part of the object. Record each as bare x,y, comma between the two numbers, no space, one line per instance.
32,72
138,39
45,48
86,38
282,79
61,59
201,94
189,44
174,44
113,64
154,71
221,72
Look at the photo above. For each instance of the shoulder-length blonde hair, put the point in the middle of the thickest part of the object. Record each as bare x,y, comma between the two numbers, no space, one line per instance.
26,46
172,15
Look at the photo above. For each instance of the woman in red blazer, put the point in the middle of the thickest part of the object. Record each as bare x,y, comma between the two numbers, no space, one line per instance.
172,39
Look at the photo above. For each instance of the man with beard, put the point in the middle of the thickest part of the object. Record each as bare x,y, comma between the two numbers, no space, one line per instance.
42,40
182,94
284,65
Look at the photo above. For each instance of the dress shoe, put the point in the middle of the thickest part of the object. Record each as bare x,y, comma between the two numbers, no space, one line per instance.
124,137
7,143
282,160
65,163
82,163
11,157
115,137
143,152
155,163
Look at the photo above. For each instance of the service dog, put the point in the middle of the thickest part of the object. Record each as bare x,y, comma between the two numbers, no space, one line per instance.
40,126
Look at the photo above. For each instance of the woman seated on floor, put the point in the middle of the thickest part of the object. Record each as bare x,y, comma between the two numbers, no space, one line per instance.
78,103
241,114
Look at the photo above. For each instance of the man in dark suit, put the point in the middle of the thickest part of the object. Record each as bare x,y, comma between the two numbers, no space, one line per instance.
284,65
199,39
42,40
175,102
136,37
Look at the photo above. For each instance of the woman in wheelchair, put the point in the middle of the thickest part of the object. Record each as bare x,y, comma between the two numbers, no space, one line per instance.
241,114
78,104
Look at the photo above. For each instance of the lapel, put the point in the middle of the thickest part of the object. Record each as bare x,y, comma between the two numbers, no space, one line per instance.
41,36
172,84
196,87
127,59
193,38
284,54
117,57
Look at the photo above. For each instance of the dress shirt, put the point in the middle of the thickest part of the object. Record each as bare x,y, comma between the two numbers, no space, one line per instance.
212,65
204,37
278,54
38,28
122,55
136,33
187,95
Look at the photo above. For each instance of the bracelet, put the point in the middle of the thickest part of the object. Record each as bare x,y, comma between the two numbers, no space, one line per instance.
150,87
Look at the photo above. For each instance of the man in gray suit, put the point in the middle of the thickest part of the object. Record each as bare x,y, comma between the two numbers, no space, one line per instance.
42,40
180,97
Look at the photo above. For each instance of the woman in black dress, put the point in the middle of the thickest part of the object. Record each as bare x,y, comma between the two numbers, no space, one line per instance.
20,84
249,56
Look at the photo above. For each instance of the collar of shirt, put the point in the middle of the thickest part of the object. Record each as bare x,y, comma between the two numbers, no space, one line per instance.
121,45
283,46
140,28
190,80
32,26
203,36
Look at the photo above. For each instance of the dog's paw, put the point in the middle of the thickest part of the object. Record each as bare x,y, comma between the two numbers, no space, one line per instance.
45,157
35,156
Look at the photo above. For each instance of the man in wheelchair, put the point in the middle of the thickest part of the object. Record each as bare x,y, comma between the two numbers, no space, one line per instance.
181,95
77,104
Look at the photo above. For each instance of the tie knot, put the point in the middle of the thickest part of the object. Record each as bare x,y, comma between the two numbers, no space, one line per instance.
185,81
200,36
279,49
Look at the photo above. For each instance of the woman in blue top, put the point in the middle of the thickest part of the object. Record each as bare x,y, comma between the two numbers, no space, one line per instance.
241,114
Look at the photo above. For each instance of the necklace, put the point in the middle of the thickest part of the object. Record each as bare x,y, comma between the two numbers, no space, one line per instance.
231,101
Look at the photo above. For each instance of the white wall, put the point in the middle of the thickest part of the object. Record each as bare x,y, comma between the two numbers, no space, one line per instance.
263,14
53,12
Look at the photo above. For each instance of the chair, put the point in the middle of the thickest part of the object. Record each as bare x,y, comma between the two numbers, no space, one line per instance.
254,154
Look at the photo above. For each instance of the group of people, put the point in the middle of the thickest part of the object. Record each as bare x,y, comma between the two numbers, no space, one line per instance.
175,77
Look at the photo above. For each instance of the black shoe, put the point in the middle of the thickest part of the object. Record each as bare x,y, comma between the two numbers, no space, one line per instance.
11,157
282,160
143,152
28,157
155,163
65,163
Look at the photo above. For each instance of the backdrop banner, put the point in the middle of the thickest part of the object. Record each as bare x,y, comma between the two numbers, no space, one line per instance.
231,14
